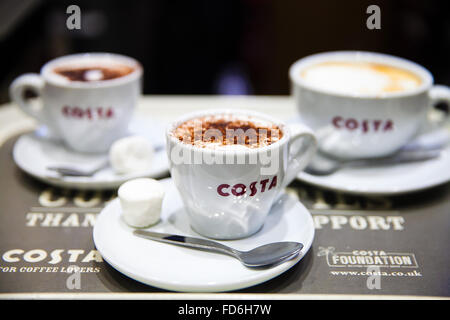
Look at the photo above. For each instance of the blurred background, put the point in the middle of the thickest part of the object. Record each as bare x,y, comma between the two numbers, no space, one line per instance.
220,46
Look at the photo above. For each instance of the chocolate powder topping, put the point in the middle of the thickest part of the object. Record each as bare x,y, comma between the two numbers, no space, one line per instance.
228,130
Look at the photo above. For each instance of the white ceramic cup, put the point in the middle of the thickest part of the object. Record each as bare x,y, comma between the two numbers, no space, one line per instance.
87,116
356,125
228,193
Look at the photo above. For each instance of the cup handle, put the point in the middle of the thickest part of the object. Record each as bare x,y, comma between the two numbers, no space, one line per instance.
33,82
440,93
302,146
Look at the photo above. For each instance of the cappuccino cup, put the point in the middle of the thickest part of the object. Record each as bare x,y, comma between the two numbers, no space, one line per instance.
363,104
86,100
228,184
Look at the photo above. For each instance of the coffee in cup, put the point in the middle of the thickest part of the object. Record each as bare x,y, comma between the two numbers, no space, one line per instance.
93,72
363,104
87,99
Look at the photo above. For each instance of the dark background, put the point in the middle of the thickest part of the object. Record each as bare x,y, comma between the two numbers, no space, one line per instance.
219,46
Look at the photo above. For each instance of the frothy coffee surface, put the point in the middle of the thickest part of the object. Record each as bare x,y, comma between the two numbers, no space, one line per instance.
93,73
360,78
228,131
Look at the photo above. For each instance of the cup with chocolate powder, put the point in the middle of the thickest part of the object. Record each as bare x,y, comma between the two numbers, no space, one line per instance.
230,166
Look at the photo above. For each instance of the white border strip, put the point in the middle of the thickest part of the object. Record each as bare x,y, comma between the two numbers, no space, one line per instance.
205,296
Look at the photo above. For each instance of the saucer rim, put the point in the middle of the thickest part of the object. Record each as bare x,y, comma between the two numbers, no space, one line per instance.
175,286
321,182
64,182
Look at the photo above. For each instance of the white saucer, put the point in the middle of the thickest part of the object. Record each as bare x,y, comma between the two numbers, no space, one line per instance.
34,152
386,180
176,268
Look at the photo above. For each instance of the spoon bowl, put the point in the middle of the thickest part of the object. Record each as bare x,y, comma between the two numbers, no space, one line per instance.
270,254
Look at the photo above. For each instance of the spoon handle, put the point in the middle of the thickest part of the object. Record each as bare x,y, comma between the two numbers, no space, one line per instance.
76,172
185,241
401,157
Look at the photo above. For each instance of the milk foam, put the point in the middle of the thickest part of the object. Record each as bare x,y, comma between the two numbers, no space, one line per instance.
359,78
94,75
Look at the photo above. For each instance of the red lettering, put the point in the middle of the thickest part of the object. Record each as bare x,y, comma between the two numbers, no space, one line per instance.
336,121
239,186
388,126
365,126
253,189
78,112
263,184
351,124
240,189
110,113
376,124
87,113
273,183
66,111
220,190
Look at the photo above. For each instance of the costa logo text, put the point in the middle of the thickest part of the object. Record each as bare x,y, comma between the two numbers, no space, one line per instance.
240,189
364,126
87,113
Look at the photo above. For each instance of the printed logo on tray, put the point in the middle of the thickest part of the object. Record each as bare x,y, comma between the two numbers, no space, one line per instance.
374,265
365,258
